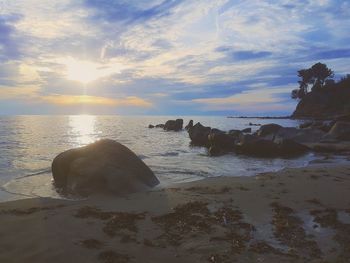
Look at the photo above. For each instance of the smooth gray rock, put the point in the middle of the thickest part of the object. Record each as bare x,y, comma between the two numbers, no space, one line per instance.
105,165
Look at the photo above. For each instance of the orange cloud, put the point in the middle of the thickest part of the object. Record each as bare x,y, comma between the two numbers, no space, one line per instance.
95,100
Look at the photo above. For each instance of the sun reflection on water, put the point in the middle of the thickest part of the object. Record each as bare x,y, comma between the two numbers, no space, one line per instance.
83,129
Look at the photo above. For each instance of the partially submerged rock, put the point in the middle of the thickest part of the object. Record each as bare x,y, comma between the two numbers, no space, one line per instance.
220,143
105,165
189,125
199,134
268,129
174,125
247,130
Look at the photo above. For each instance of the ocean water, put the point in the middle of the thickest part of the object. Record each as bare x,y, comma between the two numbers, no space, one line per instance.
28,145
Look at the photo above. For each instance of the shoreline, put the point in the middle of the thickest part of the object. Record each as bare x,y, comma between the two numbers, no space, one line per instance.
293,215
51,193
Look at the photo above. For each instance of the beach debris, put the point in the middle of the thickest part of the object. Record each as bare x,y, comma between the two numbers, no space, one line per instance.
122,223
110,256
91,243
23,212
288,229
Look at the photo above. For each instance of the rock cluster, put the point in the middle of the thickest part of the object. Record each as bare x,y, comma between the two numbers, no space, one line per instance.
273,140
172,125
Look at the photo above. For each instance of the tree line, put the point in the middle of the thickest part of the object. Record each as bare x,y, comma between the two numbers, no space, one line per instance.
317,78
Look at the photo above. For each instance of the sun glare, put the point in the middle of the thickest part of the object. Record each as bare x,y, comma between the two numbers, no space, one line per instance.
82,127
82,71
86,71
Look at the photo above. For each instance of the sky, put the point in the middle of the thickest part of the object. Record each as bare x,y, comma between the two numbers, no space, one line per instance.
158,57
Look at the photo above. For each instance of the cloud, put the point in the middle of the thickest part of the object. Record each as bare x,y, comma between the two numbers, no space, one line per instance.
250,100
211,55
95,100
9,46
130,11
244,54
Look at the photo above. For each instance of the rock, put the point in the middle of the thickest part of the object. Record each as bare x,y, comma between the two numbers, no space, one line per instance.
189,125
160,126
247,130
268,129
298,135
255,146
305,125
220,143
235,133
345,118
339,131
105,165
254,124
287,148
323,126
215,151
325,104
174,125
199,134
150,126
326,127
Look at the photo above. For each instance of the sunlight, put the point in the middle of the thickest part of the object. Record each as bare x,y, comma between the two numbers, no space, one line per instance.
83,129
86,71
82,71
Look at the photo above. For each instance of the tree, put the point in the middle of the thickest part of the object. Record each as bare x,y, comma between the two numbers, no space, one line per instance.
317,76
320,73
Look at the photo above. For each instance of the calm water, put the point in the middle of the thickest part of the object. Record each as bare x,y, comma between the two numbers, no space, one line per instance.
28,144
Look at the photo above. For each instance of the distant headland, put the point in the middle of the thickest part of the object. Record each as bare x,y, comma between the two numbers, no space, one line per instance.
320,96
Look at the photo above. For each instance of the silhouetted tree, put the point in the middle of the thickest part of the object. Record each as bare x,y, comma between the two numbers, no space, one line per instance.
320,73
317,76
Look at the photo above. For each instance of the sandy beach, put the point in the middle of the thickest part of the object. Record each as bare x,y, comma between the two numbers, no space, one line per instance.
295,215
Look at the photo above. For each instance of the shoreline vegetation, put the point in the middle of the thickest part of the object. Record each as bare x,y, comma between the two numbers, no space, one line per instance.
295,215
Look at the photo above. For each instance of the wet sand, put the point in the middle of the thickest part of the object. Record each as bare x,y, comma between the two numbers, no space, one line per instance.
296,215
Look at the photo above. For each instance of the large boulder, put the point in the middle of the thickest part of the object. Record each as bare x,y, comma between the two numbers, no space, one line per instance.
257,146
247,130
288,148
339,131
220,143
299,135
268,129
199,134
343,118
174,125
235,133
105,165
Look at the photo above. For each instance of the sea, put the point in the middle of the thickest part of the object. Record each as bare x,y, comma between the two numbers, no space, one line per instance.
28,144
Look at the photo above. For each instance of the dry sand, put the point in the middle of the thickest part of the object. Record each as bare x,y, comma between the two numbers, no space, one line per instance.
296,215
